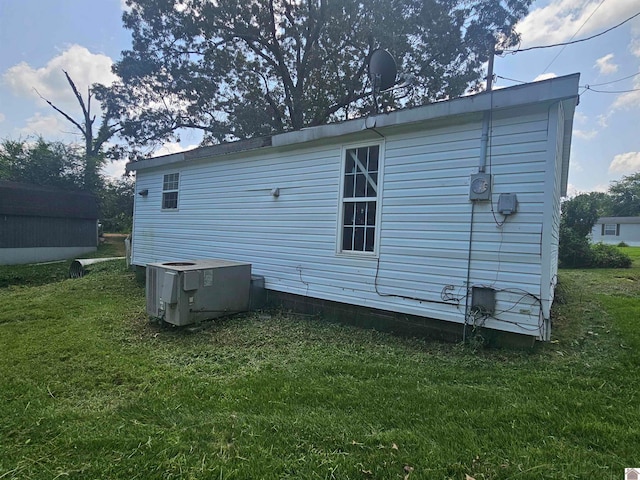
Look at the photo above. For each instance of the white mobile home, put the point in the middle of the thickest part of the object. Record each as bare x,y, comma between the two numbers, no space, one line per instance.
449,211
614,230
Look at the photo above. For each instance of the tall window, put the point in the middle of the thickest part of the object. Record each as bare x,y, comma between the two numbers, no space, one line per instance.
170,191
360,199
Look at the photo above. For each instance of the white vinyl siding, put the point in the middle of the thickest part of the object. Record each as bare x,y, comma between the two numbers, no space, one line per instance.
423,218
614,230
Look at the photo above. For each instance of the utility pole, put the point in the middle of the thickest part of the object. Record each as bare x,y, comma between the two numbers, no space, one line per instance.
492,55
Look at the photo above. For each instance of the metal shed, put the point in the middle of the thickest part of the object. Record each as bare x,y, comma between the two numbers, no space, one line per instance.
39,224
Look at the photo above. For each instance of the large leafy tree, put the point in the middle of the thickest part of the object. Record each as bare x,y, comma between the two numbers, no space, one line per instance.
625,196
579,214
116,204
53,164
237,69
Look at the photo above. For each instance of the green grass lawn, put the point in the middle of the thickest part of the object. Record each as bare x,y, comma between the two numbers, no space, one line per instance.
89,389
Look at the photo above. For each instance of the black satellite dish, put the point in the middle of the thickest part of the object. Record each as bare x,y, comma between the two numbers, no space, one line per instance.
382,70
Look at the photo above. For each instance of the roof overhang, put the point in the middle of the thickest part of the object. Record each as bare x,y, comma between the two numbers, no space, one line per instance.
559,89
630,220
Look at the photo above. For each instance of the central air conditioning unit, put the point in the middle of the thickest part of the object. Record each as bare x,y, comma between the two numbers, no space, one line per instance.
183,293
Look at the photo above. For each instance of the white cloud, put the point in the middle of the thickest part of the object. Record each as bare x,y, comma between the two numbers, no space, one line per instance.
2,117
603,120
114,169
634,47
605,66
48,126
575,166
84,67
173,147
572,191
625,163
580,117
561,19
630,99
585,134
601,187
545,76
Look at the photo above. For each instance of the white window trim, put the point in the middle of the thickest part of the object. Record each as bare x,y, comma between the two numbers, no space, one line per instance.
170,191
615,229
339,227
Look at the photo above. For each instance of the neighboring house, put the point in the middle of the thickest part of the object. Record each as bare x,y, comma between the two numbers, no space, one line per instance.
613,230
396,213
39,224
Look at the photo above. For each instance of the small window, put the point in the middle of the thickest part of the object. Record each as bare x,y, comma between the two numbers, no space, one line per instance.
170,191
359,199
610,229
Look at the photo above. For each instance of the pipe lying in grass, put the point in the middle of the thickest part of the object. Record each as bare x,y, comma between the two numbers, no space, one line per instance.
77,268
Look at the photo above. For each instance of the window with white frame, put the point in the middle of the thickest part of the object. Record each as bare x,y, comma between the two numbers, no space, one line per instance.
359,199
170,191
610,229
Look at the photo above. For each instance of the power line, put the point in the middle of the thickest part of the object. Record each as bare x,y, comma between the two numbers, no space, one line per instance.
614,81
573,36
574,41
587,87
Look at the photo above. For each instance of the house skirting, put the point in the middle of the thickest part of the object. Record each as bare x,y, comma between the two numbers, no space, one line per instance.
388,321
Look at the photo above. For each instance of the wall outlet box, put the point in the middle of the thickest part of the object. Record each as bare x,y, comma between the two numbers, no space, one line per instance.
507,203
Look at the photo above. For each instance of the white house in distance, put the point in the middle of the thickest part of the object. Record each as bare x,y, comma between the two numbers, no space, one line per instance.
449,211
613,230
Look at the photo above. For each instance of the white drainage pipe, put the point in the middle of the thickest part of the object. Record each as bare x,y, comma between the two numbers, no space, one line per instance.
77,267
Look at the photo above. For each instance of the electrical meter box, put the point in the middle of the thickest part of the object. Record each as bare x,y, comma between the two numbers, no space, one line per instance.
480,186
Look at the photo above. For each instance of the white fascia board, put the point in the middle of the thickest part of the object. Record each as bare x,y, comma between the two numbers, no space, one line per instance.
155,162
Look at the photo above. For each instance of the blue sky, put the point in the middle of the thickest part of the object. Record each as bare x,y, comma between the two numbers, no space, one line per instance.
40,38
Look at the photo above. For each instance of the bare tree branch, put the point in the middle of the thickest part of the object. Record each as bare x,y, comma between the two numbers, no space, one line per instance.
60,111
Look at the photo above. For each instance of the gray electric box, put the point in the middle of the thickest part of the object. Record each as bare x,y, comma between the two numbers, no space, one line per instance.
480,186
507,203
483,300
182,293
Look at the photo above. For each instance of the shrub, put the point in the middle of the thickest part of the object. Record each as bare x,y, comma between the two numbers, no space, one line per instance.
608,256
622,244
574,251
